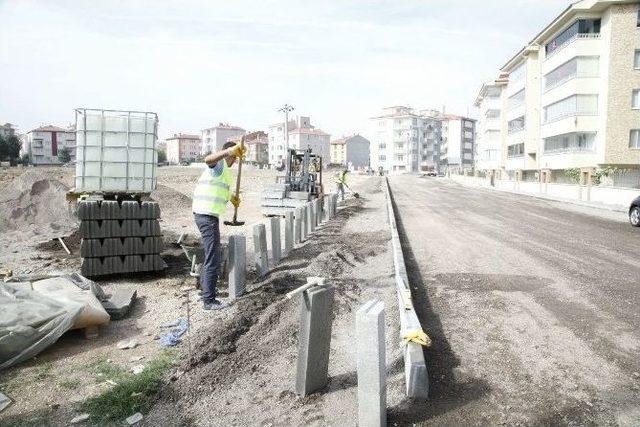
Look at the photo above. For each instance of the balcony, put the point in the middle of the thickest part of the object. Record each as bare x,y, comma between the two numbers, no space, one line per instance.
579,36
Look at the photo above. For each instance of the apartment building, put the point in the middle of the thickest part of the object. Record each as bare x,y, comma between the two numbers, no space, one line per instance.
489,128
457,147
7,130
44,144
572,100
257,144
183,148
405,140
302,135
350,151
214,138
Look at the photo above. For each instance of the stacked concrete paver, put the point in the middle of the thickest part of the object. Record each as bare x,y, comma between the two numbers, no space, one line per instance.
119,237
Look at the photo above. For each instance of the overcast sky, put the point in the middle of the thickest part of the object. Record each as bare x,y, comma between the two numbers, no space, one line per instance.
197,63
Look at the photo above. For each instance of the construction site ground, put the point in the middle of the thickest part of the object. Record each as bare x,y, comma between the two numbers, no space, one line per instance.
235,367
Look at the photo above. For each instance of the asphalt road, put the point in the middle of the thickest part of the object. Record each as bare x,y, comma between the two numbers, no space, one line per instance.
533,307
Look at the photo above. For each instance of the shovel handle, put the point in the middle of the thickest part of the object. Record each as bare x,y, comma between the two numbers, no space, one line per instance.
235,208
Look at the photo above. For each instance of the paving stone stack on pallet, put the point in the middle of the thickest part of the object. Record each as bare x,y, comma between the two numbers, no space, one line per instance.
119,237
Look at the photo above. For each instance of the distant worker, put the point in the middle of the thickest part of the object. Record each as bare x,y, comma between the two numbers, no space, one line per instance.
210,198
341,181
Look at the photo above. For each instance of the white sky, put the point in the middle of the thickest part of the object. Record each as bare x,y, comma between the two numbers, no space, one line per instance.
197,63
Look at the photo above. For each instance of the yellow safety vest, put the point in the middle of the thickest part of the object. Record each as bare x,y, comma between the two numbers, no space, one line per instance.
341,178
213,192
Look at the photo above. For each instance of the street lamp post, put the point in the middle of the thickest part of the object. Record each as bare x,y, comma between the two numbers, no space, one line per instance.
286,109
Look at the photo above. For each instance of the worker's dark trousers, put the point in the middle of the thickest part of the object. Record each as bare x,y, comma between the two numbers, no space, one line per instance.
210,230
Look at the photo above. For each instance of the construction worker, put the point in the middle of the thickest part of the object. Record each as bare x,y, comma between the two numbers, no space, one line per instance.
341,181
210,198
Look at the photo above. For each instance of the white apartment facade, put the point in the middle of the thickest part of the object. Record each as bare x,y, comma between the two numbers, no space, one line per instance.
573,96
457,147
351,151
404,140
43,144
183,147
302,135
213,138
489,128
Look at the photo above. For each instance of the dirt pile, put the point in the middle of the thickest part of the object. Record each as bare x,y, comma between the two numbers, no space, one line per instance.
36,201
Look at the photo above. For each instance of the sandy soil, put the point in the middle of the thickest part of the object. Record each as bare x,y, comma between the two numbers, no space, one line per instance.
246,352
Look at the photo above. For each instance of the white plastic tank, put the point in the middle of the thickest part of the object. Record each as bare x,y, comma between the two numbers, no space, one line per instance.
116,151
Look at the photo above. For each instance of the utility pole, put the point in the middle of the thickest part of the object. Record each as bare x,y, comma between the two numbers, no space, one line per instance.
286,109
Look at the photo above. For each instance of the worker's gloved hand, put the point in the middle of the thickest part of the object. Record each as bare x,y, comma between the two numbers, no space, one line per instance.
235,200
238,151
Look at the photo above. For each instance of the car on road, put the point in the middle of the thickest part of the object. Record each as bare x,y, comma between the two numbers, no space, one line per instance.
634,212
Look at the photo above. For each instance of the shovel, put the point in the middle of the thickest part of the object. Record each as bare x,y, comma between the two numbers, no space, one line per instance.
235,222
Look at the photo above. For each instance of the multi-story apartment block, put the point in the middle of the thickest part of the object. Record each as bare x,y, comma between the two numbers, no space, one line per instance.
44,144
457,149
350,151
183,147
489,128
573,96
302,135
214,138
7,130
257,147
405,140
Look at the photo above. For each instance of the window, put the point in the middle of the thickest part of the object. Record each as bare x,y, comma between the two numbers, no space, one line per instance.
468,134
581,66
468,156
493,92
575,105
516,125
399,158
634,140
382,146
515,150
517,74
468,125
636,60
516,100
635,99
570,142
492,114
581,26
382,158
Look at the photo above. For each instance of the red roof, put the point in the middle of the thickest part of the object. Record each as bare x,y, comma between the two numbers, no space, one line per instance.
309,131
183,136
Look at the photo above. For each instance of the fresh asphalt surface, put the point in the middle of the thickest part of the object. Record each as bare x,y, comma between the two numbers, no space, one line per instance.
533,307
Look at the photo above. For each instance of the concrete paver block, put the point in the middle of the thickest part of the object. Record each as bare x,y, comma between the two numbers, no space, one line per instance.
297,238
119,303
304,229
371,364
237,265
314,339
311,222
288,232
112,209
260,249
276,244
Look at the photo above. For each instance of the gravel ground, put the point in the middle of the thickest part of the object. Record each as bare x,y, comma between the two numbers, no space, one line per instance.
247,351
532,306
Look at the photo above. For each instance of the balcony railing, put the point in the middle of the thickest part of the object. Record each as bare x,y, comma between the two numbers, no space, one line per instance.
571,40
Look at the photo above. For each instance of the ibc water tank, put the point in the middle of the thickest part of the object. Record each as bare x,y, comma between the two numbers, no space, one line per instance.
116,151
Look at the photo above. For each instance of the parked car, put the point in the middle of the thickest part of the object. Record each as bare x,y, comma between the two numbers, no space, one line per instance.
634,212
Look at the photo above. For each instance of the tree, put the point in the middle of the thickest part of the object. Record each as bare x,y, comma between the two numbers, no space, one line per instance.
162,156
25,159
64,155
9,148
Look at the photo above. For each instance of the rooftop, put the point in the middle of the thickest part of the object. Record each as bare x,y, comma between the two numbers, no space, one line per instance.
226,126
183,136
309,131
51,128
